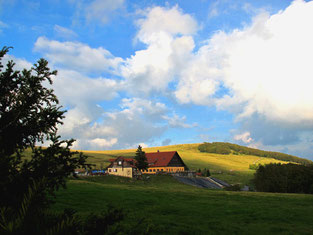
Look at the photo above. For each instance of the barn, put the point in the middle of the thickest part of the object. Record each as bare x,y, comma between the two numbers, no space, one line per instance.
164,162
167,162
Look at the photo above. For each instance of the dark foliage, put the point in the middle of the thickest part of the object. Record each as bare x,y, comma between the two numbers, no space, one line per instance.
205,172
234,187
34,220
284,178
141,159
227,148
29,114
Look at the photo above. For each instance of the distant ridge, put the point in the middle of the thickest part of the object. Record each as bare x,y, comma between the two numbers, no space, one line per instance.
227,148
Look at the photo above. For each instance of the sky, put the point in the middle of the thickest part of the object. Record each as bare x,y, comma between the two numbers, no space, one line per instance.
172,72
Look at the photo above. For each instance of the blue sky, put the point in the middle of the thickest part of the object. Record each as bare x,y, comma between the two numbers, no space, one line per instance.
172,72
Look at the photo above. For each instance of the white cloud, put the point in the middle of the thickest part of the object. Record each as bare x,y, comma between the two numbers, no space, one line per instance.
20,63
244,137
78,56
166,32
137,121
179,122
262,73
74,88
102,10
162,20
200,78
267,65
64,32
102,143
80,95
148,108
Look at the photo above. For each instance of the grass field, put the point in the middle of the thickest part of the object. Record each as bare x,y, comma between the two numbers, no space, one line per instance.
174,208
231,168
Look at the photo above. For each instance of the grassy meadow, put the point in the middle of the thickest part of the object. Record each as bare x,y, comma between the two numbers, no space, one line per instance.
231,168
169,207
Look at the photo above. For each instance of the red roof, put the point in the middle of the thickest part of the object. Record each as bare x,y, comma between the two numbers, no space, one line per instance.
160,159
122,158
156,159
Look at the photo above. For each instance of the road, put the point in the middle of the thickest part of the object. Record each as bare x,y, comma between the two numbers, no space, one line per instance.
201,182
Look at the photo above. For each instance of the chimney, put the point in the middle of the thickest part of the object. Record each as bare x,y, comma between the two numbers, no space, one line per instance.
158,151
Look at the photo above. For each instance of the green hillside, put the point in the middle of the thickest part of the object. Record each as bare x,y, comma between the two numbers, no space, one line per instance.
233,167
227,148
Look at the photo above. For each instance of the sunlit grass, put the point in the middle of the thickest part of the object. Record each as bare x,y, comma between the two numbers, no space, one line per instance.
232,168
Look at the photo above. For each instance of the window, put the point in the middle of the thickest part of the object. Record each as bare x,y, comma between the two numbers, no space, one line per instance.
150,170
161,169
115,170
157,169
153,170
120,162
109,170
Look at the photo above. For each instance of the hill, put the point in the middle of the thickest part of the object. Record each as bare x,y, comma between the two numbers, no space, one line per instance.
227,148
232,168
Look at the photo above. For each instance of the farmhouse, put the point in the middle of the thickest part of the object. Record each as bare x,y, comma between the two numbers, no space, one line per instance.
169,162
122,167
164,162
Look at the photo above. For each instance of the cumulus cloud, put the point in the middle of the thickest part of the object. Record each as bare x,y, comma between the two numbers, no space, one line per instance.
103,143
171,21
260,72
137,121
167,34
78,56
267,66
244,137
200,79
75,88
80,95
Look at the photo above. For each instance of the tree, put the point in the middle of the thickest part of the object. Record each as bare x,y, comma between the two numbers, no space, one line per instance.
29,115
141,159
284,178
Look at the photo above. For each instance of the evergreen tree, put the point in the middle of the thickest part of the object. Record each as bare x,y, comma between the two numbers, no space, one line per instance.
141,159
29,114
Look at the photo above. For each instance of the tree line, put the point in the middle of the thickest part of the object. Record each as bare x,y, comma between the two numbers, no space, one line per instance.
228,148
284,178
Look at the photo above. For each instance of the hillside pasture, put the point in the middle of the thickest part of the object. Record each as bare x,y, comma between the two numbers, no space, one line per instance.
232,168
